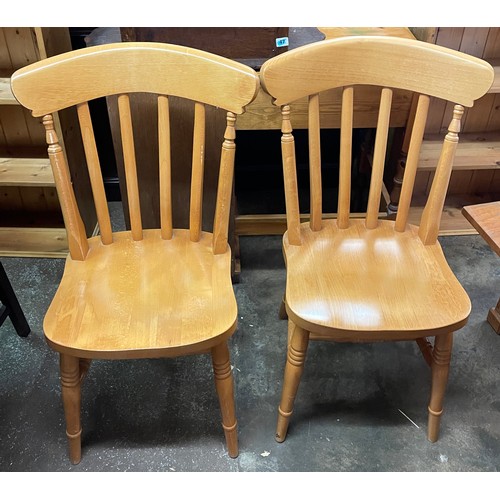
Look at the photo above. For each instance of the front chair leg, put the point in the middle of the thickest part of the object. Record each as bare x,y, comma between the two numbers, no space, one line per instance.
440,366
297,348
71,396
225,390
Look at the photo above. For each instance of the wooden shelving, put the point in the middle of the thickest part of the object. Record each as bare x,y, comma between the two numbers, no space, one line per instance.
31,223
26,172
476,176
33,242
6,96
475,151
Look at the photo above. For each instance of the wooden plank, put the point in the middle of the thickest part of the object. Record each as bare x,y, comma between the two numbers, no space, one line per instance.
26,172
10,200
477,117
5,61
19,126
460,182
474,151
33,242
6,95
481,181
492,46
21,47
14,126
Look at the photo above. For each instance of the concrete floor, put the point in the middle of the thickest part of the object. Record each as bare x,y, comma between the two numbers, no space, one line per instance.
163,415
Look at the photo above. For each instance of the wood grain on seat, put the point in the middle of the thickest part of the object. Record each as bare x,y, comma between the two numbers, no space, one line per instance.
152,298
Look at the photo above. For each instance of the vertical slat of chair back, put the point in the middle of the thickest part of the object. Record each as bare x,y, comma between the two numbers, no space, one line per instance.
198,163
344,200
290,178
127,135
388,63
165,166
169,72
225,187
431,216
77,238
315,162
95,173
379,159
417,135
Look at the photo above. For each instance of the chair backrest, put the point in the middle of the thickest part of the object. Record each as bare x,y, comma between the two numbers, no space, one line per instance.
75,78
389,63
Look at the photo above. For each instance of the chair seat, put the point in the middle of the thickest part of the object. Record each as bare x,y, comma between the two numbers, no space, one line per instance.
148,298
361,284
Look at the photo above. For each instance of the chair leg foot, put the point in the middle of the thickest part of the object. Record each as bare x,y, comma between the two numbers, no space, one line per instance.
71,396
294,368
282,425
75,447
440,366
433,425
225,390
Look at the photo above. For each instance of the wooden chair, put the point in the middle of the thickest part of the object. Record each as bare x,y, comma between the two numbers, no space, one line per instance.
370,280
143,293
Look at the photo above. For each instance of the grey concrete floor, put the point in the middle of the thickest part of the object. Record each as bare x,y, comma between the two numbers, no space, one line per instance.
359,407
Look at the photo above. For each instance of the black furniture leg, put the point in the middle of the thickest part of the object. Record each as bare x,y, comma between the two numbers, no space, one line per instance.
11,306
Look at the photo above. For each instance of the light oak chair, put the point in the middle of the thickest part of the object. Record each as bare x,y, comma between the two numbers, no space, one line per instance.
370,280
143,293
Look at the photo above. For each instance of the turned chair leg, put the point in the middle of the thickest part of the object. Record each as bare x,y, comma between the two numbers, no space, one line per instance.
297,348
440,366
71,396
225,390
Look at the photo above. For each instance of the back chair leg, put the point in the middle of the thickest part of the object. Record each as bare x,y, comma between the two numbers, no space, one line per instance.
71,396
440,366
297,349
225,390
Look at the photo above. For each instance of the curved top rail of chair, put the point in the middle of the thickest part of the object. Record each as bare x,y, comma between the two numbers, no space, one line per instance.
71,78
376,60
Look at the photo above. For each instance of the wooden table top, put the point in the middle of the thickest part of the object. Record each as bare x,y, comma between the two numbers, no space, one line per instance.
485,218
